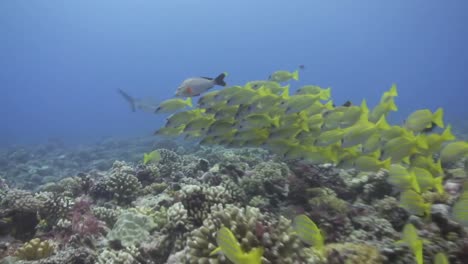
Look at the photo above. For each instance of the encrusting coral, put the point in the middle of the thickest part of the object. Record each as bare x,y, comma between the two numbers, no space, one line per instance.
131,228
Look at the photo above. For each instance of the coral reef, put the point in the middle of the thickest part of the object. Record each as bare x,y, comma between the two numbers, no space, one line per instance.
170,211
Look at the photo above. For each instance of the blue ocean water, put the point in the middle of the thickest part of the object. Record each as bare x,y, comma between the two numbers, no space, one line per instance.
61,62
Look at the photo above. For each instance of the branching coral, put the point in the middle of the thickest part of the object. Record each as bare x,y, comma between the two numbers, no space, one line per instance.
169,163
199,199
252,229
122,183
269,179
108,215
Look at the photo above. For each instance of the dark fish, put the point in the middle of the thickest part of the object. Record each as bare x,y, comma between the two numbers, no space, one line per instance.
129,99
198,85
346,104
145,104
429,129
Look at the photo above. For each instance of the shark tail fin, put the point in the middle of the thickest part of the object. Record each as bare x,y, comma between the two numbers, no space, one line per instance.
129,99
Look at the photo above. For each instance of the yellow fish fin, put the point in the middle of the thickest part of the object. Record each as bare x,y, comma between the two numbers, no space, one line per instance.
438,117
447,134
295,75
188,101
229,244
215,251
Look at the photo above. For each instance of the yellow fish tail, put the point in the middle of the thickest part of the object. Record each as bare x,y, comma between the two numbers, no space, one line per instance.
295,75
386,163
393,106
326,94
447,134
189,101
276,121
438,184
285,93
440,258
438,117
414,183
393,91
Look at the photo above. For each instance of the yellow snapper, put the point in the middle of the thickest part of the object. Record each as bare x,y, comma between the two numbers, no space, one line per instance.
318,108
259,121
441,258
460,208
285,132
257,133
382,109
198,85
424,118
153,156
297,103
272,87
280,146
173,105
427,181
414,203
230,247
428,163
412,240
220,127
372,144
393,132
315,155
329,137
401,148
181,118
226,112
208,99
325,94
224,94
352,114
454,151
435,141
263,103
201,123
371,163
362,130
170,131
308,232
388,95
283,76
402,179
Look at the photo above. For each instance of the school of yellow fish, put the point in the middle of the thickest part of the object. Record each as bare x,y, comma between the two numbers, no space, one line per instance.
307,125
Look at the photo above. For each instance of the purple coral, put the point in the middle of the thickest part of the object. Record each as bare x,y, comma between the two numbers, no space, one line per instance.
83,222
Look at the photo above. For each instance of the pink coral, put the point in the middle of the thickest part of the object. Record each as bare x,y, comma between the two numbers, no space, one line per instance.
84,223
